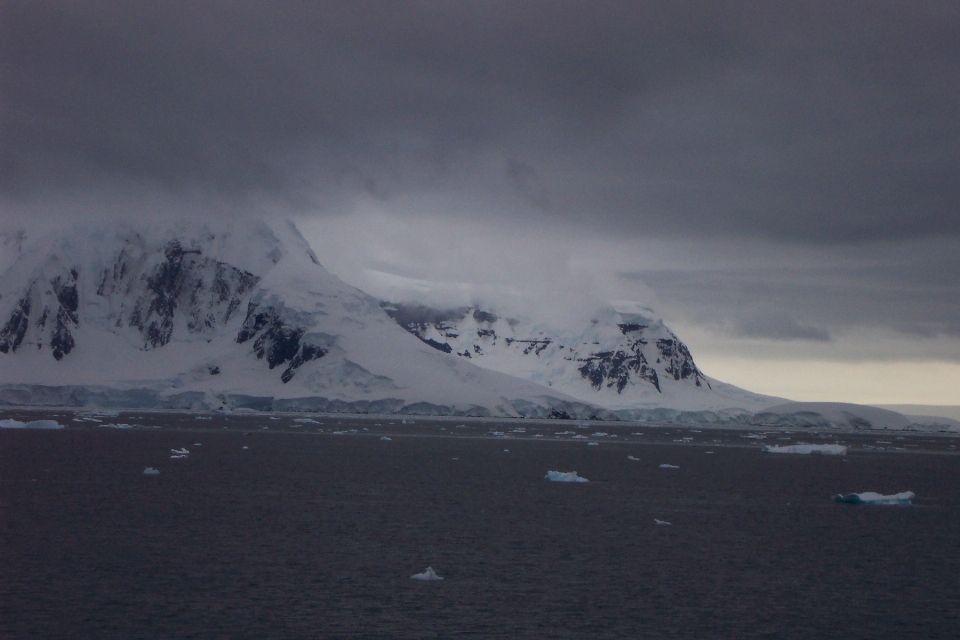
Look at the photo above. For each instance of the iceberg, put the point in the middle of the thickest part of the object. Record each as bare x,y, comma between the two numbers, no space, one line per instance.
385,438
182,452
35,424
428,575
869,497
633,458
655,521
150,471
823,449
564,476
668,466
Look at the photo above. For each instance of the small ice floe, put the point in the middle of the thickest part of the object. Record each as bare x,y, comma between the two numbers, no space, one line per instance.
564,433
246,447
35,424
182,451
655,521
179,457
755,437
150,471
506,450
564,476
633,458
579,438
708,451
870,497
600,434
306,420
428,575
385,438
593,444
806,449
668,466
116,426
196,444
206,418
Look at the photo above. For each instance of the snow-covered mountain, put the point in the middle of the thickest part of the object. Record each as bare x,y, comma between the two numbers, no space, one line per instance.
622,358
241,313
235,314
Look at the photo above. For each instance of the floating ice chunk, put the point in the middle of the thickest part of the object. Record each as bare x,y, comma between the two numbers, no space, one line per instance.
668,466
870,497
823,449
35,424
708,451
196,444
180,451
116,426
385,438
246,447
655,521
579,437
600,434
306,420
428,575
564,476
755,437
564,433
593,444
150,471
209,418
632,458
178,457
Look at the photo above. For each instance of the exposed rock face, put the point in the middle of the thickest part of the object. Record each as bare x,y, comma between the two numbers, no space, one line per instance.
204,292
618,353
57,301
278,341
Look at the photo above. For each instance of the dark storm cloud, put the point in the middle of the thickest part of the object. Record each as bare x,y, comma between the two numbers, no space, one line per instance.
910,291
824,121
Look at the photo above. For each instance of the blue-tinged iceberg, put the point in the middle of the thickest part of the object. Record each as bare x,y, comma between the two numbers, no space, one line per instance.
869,497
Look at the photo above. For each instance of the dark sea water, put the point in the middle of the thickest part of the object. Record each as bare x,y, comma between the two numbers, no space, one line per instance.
315,535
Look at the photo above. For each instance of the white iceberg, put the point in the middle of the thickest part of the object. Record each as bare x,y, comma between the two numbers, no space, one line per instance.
655,521
385,438
869,497
150,471
428,575
564,476
35,424
182,452
633,458
668,466
306,420
822,449
593,444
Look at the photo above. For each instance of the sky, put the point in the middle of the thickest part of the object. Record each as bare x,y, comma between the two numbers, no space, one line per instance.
780,182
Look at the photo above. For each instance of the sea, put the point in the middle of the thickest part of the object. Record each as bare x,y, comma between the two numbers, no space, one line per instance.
285,526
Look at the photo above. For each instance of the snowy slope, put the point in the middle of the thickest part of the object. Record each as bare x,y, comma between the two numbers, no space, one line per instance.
237,314
622,359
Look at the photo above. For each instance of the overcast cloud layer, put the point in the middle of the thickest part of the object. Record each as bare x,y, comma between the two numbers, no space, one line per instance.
779,175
